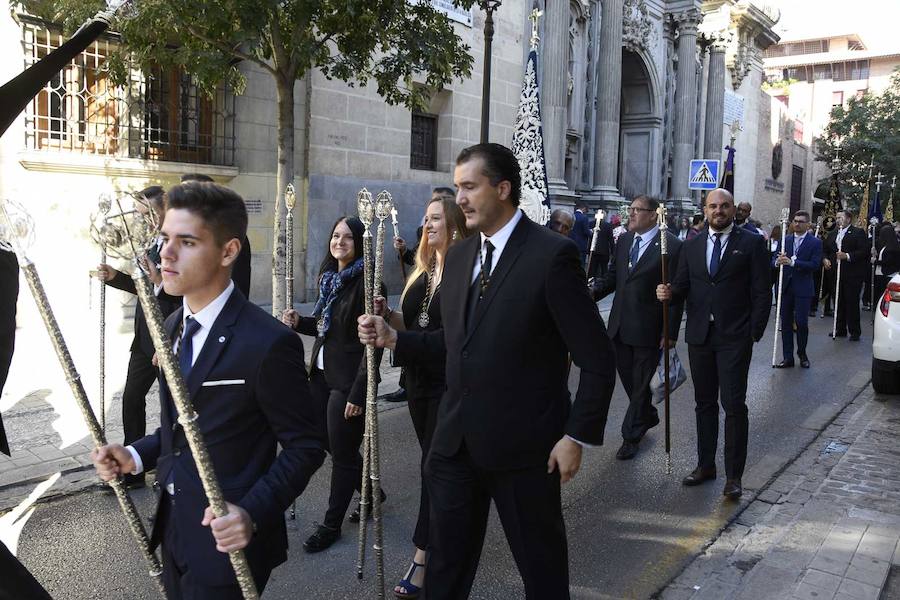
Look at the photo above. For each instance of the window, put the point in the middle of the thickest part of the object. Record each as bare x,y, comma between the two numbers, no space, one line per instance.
159,115
837,99
799,74
858,69
423,142
838,70
822,72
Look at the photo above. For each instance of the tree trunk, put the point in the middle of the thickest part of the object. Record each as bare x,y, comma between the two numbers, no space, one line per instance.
285,175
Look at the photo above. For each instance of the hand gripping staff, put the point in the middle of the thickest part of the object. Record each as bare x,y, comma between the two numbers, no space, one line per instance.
784,220
664,260
17,234
598,218
136,231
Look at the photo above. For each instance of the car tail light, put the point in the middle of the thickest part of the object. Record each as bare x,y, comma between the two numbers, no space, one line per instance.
891,294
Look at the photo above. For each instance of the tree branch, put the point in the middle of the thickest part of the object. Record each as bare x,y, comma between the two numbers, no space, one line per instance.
233,51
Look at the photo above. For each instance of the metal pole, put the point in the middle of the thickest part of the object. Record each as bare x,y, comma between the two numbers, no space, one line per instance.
489,6
784,218
664,259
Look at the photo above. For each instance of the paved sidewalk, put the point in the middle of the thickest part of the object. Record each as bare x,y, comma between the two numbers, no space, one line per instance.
827,527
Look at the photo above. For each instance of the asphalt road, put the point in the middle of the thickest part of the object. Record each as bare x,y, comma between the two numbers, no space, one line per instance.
631,526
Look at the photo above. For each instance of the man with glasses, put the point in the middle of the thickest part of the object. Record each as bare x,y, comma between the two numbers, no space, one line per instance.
635,320
800,259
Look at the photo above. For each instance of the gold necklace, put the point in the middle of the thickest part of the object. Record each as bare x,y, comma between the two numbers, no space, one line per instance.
424,319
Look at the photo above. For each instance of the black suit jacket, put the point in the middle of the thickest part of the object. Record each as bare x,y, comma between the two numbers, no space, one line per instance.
605,242
167,304
507,394
636,314
856,244
259,398
345,357
9,294
739,297
240,273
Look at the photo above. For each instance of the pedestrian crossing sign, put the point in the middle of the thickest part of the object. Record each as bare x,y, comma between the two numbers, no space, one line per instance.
704,174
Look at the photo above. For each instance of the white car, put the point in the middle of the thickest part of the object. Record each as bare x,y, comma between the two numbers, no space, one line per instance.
886,344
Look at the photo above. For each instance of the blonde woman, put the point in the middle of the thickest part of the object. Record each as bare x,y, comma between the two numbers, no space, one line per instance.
420,312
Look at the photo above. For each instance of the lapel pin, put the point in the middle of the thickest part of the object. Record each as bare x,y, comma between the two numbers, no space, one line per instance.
221,339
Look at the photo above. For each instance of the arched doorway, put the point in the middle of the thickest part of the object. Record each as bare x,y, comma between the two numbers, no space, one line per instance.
639,130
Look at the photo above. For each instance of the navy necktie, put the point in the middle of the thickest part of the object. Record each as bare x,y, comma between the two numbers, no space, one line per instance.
635,253
186,350
716,255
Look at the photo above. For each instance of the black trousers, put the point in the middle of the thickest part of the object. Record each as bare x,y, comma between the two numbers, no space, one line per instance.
179,580
344,439
423,411
719,369
848,306
140,378
636,366
528,502
16,582
794,310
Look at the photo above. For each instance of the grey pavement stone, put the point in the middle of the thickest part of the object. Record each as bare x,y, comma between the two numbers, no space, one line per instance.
867,570
767,581
823,580
804,591
714,590
830,565
877,546
858,590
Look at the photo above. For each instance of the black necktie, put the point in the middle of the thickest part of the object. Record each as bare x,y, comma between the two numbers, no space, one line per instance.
186,349
716,255
479,286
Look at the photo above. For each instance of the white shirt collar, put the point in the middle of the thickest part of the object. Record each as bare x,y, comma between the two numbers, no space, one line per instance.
725,232
800,237
647,235
843,230
499,239
208,315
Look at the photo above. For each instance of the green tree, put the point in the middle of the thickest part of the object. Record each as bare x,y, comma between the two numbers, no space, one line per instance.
407,49
868,127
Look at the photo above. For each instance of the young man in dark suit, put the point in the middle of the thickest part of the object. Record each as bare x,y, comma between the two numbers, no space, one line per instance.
849,245
514,300
801,259
244,371
723,273
581,232
141,371
635,320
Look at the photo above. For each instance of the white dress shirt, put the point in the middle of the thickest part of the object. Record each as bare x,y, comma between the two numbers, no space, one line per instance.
711,242
797,241
206,317
646,238
498,240
840,239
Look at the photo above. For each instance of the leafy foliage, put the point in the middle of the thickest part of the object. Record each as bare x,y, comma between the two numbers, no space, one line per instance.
869,126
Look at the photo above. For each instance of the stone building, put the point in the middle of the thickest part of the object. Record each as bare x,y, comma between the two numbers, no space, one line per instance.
809,72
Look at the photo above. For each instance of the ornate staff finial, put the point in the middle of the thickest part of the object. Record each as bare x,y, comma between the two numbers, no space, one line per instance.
16,228
533,17
290,197
365,208
878,181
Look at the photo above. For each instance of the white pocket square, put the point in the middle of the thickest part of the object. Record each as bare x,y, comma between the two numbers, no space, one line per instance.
223,382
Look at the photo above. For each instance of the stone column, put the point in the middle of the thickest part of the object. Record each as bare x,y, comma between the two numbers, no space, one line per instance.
609,100
715,102
685,101
555,93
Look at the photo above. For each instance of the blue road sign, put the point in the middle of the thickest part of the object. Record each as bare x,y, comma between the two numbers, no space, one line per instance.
704,174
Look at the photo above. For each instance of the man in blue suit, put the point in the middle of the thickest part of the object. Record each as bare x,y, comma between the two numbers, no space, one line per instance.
582,231
244,372
801,257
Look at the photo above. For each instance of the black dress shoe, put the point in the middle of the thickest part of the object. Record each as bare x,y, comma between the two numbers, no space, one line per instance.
733,489
322,539
627,450
837,336
854,338
398,395
785,364
354,516
828,313
698,476
804,362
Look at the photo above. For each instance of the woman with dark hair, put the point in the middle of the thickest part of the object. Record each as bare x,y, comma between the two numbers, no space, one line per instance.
887,263
337,370
420,311
684,227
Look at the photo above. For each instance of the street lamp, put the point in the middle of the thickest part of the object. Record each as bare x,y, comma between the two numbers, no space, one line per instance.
488,6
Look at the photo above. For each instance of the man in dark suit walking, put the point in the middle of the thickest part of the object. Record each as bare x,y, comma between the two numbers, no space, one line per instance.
581,232
635,320
724,275
604,248
141,371
849,245
244,371
801,259
514,299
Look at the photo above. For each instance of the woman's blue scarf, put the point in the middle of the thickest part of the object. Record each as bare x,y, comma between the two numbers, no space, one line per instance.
330,285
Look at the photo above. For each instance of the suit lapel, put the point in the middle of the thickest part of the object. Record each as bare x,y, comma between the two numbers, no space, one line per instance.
504,265
735,238
218,338
699,252
649,257
455,299
173,325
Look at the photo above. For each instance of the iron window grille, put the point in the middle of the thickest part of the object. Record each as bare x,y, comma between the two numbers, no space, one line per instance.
423,142
156,115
